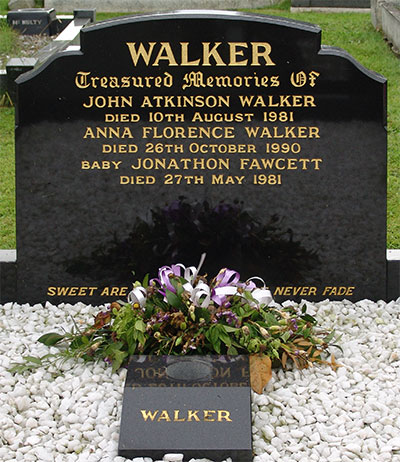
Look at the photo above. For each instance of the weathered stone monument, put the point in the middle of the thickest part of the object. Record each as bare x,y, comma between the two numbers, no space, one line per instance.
165,136
145,6
331,4
31,21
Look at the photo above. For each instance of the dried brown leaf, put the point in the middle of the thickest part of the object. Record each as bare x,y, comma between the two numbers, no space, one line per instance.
334,364
302,342
284,359
115,305
260,372
316,354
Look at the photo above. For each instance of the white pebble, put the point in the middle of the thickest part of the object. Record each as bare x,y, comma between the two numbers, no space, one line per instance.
297,433
33,440
44,455
173,457
22,403
31,423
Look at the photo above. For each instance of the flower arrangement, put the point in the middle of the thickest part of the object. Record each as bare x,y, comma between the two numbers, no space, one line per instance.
181,313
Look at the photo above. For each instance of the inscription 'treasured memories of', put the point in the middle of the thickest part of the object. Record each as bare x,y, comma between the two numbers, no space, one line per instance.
165,136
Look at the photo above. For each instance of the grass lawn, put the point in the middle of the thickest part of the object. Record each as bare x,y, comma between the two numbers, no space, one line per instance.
350,31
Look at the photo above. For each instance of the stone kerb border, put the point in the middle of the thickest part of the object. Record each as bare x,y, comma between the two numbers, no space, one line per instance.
385,16
141,6
328,5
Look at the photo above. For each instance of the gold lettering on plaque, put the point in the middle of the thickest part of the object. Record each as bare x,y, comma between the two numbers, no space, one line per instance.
190,415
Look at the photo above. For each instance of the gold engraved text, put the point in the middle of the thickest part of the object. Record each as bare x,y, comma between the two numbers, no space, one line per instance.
282,132
277,100
279,164
150,54
190,415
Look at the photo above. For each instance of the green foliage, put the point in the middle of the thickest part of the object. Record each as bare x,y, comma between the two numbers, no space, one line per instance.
7,173
50,339
31,362
104,16
283,5
9,44
170,323
3,6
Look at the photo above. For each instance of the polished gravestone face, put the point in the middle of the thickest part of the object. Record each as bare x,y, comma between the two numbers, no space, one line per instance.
170,135
195,405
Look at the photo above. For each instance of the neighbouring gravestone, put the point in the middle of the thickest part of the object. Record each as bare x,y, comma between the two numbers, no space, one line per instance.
332,3
34,21
14,68
20,4
145,6
198,406
165,136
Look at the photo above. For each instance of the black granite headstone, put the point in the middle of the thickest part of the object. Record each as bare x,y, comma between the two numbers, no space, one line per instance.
165,136
34,21
198,406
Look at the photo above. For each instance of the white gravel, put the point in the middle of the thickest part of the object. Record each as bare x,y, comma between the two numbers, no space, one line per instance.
312,415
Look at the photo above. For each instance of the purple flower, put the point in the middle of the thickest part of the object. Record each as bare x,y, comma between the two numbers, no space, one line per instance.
230,317
227,277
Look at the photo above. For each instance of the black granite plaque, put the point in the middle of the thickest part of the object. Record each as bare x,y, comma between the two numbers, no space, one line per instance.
198,406
34,21
169,135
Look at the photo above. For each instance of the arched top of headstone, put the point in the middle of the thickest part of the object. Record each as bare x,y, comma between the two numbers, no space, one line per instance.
210,15
327,50
291,41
